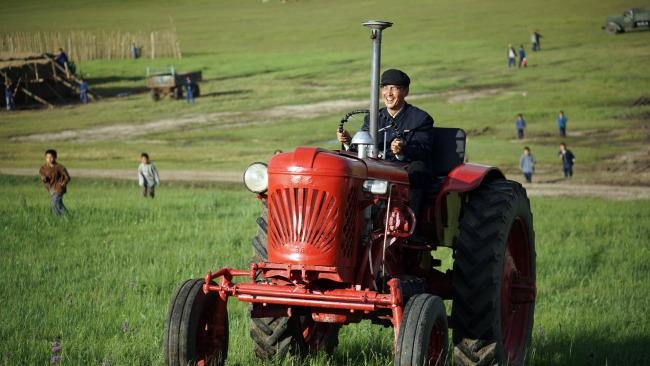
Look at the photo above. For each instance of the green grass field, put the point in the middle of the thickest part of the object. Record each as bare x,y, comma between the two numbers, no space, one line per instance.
102,277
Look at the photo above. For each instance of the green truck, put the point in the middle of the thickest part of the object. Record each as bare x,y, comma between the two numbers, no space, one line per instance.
634,19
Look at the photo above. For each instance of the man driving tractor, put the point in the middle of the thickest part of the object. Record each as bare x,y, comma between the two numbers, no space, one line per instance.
408,129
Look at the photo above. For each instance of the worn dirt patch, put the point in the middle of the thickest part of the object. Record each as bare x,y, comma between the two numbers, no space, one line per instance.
235,119
462,96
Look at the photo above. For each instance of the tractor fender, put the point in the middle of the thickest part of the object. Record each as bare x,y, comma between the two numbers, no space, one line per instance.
464,178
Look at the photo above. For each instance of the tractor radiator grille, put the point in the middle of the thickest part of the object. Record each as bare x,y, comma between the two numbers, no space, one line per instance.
301,217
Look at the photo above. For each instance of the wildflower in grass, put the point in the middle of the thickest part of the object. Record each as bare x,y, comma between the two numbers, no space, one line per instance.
56,349
106,362
125,327
55,359
540,331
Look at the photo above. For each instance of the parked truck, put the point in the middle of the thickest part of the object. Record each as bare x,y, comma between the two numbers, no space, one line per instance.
634,19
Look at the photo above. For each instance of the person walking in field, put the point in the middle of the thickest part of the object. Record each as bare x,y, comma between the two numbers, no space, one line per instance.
83,91
189,90
527,164
536,39
512,56
147,176
522,56
55,177
561,123
520,124
9,96
568,159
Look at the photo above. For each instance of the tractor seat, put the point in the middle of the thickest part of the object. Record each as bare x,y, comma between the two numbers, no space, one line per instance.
448,150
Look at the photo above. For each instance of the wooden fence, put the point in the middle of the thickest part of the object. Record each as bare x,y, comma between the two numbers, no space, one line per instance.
82,45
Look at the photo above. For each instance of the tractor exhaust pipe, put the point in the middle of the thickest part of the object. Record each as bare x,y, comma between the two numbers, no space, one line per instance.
376,27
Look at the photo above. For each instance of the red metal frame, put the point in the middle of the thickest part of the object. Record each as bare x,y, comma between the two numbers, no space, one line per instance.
334,300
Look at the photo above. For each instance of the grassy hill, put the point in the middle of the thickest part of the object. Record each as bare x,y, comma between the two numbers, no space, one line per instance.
257,55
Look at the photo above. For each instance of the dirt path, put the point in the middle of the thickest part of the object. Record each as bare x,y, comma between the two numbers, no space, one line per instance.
235,119
559,189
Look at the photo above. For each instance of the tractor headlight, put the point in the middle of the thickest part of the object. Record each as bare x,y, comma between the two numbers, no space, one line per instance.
256,178
375,186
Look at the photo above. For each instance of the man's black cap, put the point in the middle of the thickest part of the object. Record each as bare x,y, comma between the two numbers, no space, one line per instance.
395,77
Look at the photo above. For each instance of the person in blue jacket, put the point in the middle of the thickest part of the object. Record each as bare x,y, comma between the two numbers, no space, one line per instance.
522,57
411,141
520,124
561,123
61,58
568,159
83,91
527,164
9,96
189,90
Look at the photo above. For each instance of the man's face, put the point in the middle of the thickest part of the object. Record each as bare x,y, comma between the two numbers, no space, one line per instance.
50,159
526,152
562,147
394,95
144,160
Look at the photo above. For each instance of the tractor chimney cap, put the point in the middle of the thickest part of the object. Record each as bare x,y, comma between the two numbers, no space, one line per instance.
377,24
361,138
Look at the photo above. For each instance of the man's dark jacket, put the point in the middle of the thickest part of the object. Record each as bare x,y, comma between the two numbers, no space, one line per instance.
417,127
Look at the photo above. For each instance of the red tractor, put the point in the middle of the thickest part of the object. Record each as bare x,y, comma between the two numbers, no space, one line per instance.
333,247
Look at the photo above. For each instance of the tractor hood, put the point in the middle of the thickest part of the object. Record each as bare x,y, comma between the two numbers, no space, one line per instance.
315,207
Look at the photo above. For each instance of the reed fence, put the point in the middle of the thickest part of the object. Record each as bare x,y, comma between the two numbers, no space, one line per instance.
84,45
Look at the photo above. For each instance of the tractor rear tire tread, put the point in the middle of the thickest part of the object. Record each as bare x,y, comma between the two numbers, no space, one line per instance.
274,338
484,230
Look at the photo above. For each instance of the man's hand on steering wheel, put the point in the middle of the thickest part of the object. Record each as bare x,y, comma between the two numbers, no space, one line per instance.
397,146
344,137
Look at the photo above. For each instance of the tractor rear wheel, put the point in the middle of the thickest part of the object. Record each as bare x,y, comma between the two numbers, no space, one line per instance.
422,338
196,331
494,277
296,335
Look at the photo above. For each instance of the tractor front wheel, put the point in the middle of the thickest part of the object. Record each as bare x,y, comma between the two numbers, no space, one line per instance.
422,338
196,331
494,277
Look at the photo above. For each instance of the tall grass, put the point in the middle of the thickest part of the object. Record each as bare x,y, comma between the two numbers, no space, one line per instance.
102,276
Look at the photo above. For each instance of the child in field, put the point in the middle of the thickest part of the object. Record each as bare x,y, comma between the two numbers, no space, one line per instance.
522,56
189,90
83,91
55,177
527,164
147,176
9,96
568,159
512,56
561,123
520,124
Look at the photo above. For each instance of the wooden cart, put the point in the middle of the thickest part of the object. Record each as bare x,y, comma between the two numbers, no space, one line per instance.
167,81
